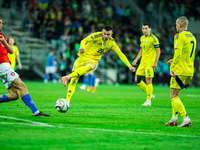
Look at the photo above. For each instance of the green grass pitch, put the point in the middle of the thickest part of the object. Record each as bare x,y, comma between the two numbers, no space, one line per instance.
112,118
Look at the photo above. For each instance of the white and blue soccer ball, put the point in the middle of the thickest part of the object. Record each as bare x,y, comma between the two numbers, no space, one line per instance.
62,105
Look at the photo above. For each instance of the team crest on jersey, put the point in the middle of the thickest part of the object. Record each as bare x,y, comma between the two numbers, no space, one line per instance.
92,37
107,46
176,44
13,74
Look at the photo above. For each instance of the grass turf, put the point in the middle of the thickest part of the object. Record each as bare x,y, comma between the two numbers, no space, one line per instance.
112,118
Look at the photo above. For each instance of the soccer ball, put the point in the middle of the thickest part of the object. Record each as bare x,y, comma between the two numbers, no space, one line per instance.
62,105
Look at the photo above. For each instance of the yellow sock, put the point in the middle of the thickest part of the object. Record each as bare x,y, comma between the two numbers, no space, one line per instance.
149,91
82,70
174,111
178,105
143,86
71,88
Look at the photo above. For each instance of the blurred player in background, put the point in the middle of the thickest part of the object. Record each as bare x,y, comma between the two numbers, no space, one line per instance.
12,57
50,68
90,79
11,80
181,70
150,53
90,52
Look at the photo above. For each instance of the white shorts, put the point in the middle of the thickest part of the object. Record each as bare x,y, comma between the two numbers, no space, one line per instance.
50,69
7,74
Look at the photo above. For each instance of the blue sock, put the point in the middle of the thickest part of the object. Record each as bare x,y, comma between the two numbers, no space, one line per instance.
93,78
29,102
53,76
4,98
46,76
85,79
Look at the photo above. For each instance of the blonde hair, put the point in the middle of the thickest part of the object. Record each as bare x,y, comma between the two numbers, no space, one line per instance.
183,21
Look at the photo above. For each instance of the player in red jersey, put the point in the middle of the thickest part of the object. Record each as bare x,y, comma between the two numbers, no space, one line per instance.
11,80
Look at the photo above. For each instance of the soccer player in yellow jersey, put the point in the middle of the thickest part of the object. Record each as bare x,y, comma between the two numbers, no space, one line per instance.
181,69
150,53
12,57
90,52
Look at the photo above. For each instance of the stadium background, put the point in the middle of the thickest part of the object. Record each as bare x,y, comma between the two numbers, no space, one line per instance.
39,26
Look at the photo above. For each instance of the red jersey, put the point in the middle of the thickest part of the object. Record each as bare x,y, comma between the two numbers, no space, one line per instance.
3,52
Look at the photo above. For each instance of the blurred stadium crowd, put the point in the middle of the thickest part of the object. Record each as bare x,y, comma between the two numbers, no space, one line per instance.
64,23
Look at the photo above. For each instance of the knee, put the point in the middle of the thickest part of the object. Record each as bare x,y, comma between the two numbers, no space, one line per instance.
138,79
74,81
14,96
90,66
23,86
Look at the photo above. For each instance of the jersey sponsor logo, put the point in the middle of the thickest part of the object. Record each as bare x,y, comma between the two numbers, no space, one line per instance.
92,38
189,35
100,43
176,44
13,74
101,50
98,35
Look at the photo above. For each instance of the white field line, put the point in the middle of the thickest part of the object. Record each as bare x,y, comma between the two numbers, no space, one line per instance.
191,95
25,120
92,129
26,124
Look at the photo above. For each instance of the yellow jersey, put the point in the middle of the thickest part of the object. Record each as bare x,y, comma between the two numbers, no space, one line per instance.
148,45
95,47
184,54
12,57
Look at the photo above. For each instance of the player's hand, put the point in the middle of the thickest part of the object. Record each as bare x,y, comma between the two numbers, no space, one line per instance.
154,66
170,61
81,50
132,69
172,73
20,66
134,62
2,39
